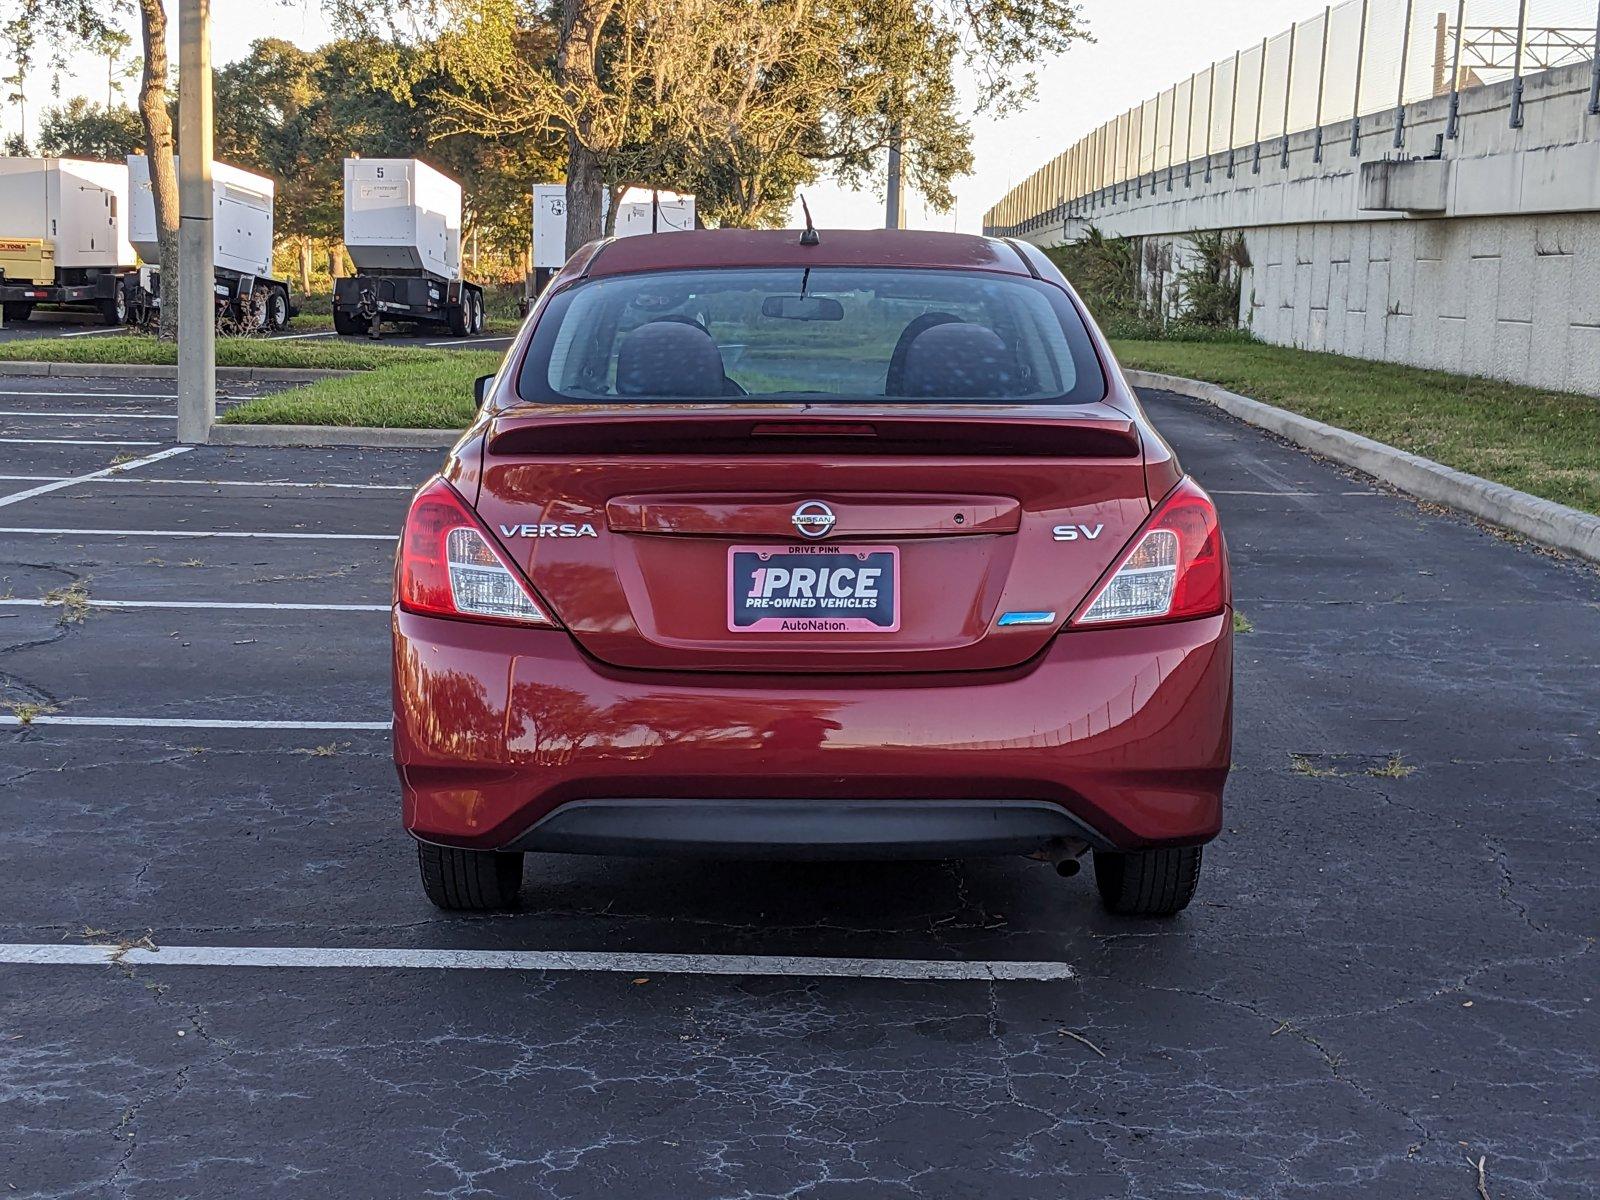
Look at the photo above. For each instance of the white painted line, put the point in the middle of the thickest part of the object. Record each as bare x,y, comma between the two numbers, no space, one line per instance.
33,478
290,337
510,337
628,963
1226,492
186,723
11,441
223,605
199,533
101,414
372,487
43,488
101,395
92,332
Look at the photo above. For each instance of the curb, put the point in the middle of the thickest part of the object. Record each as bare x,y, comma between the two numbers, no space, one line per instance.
1543,521
369,437
166,371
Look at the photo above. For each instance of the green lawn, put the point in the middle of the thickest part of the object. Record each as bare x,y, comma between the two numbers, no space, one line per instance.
141,349
434,392
1547,443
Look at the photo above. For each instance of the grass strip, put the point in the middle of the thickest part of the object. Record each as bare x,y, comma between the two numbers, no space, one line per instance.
435,393
135,349
1537,441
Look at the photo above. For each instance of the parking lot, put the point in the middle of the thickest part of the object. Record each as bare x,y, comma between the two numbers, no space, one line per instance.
1388,975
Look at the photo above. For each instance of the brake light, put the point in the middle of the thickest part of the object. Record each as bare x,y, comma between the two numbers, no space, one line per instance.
449,567
1175,569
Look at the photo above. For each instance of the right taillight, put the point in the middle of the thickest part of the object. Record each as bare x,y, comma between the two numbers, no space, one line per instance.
449,567
1176,568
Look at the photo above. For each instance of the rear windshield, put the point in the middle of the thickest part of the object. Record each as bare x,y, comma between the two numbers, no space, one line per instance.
820,334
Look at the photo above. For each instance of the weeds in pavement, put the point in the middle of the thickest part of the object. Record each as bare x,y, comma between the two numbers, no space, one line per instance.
73,600
327,751
1305,764
1395,768
1241,623
26,711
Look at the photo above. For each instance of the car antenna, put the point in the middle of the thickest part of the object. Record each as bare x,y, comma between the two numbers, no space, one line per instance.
809,235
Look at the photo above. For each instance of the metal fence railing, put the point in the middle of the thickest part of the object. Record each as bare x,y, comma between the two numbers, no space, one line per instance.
1351,60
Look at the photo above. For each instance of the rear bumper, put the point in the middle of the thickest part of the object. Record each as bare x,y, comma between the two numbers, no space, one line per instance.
824,829
514,739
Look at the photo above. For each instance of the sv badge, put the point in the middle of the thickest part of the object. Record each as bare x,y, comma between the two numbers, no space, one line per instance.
1071,533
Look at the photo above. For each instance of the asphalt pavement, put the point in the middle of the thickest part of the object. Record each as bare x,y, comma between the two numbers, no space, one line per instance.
1389,972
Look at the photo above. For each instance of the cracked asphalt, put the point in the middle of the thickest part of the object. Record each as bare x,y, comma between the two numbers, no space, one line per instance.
1388,974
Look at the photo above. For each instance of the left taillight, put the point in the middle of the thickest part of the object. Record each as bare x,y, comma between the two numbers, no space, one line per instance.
449,567
1175,569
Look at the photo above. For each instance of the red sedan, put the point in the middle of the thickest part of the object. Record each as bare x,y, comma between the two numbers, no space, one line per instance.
850,546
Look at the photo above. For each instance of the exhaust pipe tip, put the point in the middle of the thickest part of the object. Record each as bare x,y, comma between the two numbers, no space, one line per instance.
1068,867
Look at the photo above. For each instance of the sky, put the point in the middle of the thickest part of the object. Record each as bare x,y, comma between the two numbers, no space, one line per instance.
1139,49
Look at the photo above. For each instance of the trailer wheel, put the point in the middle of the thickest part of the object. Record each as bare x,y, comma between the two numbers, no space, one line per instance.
347,325
277,309
18,310
114,309
477,313
460,317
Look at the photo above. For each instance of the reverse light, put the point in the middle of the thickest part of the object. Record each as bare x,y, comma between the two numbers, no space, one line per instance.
1175,569
449,567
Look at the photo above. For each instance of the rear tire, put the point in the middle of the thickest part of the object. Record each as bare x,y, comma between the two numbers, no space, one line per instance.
18,310
460,317
277,310
346,324
1147,883
114,309
469,880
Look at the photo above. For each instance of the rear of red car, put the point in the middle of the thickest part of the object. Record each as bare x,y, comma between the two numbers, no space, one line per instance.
853,550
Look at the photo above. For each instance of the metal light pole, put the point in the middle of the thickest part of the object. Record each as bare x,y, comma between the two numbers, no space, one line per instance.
197,350
894,216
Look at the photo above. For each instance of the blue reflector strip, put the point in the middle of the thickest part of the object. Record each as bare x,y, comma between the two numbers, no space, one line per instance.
1027,618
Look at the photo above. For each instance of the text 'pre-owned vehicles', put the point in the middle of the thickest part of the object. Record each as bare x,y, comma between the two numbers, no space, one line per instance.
850,546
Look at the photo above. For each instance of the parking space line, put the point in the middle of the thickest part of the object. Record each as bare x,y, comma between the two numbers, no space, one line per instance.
101,395
100,415
290,337
600,961
197,533
92,332
11,441
223,605
58,484
510,337
289,483
32,478
189,723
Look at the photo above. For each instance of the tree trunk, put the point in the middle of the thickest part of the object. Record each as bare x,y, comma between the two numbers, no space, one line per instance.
613,202
577,70
585,187
159,149
305,265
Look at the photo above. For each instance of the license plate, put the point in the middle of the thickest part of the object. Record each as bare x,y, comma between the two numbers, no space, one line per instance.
813,589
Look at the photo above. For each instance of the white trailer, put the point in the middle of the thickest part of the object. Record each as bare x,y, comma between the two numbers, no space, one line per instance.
63,235
402,228
241,224
641,210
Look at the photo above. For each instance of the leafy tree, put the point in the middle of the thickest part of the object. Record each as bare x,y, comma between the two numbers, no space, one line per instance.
81,128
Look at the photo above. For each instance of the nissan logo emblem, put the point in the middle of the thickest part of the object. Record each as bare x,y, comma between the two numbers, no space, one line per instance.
814,519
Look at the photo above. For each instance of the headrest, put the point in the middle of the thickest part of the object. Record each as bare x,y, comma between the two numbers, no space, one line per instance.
894,383
959,360
669,358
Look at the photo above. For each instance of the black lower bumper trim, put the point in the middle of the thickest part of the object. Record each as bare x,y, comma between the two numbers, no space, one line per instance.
806,829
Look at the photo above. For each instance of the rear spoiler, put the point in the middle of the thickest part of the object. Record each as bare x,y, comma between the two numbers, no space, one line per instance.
1081,431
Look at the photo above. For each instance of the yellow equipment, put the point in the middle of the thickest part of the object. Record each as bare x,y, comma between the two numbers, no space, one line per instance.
27,260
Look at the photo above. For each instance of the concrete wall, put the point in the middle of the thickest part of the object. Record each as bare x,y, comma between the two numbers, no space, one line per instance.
1478,254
